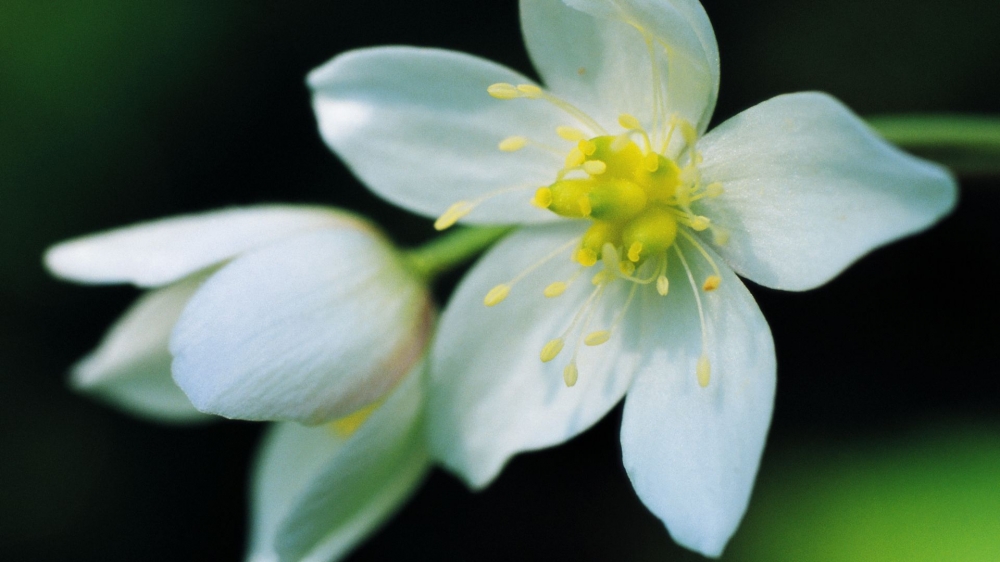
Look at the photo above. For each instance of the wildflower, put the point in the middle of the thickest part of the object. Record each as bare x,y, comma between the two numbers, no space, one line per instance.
270,313
634,221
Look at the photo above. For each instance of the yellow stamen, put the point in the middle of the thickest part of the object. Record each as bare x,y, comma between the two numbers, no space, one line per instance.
662,285
570,133
629,122
555,289
574,158
543,198
585,207
503,91
634,251
699,223
651,162
551,350
454,213
530,91
497,295
570,374
713,189
595,167
712,283
587,147
626,267
346,426
513,144
586,257
597,338
704,371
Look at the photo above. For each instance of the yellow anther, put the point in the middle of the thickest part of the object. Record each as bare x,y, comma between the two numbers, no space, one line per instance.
570,374
699,223
496,295
597,338
503,91
629,122
453,215
555,289
551,349
574,158
689,132
542,198
634,251
603,276
586,257
651,162
513,144
585,207
704,371
688,175
570,133
720,236
662,285
713,189
712,283
595,167
587,147
530,90
346,426
626,267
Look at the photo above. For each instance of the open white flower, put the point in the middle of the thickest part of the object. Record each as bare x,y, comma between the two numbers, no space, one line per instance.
622,277
268,313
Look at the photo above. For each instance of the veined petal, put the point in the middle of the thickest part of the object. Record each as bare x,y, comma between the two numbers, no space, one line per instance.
131,366
809,189
490,394
692,452
597,53
155,253
308,329
418,127
317,492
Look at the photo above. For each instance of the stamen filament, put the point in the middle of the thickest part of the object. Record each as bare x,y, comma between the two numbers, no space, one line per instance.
460,209
497,294
713,281
703,369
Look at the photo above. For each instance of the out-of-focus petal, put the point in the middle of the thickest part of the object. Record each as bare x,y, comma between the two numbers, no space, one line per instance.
131,366
418,127
155,253
597,54
692,452
490,394
308,329
318,492
809,189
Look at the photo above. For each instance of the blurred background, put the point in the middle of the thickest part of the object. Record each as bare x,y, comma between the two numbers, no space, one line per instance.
886,437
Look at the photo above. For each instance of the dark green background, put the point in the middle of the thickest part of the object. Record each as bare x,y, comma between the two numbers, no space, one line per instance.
886,437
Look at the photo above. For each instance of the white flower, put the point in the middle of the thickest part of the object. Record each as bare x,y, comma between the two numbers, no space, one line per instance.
271,313
632,218
318,491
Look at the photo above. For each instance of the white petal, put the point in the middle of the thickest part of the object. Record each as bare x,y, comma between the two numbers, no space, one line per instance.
308,329
418,127
155,253
599,58
317,494
490,395
691,452
131,366
809,189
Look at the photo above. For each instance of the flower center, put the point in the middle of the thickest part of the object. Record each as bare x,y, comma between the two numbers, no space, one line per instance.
637,191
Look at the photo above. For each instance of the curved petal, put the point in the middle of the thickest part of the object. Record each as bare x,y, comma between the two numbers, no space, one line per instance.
317,493
308,329
155,253
131,366
490,395
418,127
691,452
809,189
595,52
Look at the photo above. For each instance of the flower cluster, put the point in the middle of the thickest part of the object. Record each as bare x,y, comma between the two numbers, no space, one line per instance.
620,280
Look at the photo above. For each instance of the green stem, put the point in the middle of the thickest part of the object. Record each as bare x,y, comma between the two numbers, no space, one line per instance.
969,144
452,249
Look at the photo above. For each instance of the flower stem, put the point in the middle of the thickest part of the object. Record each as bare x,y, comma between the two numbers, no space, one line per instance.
446,252
969,144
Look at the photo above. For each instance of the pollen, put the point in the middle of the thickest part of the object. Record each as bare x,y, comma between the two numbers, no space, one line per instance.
551,350
497,295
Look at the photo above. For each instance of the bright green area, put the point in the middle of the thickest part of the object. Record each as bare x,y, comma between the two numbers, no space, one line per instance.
968,144
930,497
